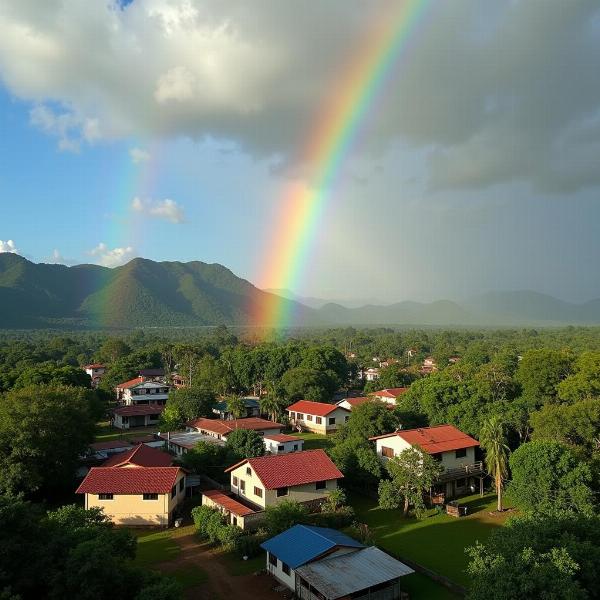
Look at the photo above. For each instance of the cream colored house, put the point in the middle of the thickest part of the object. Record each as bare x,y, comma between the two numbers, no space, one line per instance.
135,496
257,483
454,450
142,391
318,417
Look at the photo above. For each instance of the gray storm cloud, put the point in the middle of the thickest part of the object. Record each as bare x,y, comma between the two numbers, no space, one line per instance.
492,90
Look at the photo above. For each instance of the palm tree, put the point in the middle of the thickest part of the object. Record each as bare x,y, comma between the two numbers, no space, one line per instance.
236,406
271,406
492,440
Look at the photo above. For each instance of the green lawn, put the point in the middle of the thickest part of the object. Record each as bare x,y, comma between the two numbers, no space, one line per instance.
189,576
314,440
238,566
437,541
154,546
106,433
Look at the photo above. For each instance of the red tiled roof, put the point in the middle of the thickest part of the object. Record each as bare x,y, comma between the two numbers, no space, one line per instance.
295,468
228,502
357,401
320,409
130,383
140,456
391,392
224,427
441,438
110,445
139,409
282,437
113,480
94,366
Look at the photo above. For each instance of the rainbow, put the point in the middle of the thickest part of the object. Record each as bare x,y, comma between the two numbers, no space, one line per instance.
329,143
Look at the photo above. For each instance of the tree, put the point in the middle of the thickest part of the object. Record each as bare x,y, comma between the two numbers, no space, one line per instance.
43,432
307,384
492,440
112,349
245,443
412,473
272,406
584,383
284,515
552,556
540,372
50,373
546,475
192,402
236,406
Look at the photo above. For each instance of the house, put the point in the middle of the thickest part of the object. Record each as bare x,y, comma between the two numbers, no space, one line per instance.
318,417
104,449
136,496
256,483
144,415
370,374
412,352
153,375
137,487
454,450
350,403
282,443
389,395
181,442
318,562
177,380
220,429
251,403
141,391
429,366
95,371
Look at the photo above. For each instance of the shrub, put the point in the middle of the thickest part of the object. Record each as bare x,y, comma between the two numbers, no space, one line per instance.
284,515
207,520
339,519
228,535
249,544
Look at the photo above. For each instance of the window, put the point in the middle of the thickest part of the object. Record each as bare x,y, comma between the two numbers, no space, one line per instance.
292,415
257,492
309,417
318,420
249,471
150,496
460,453
282,492
280,448
300,416
233,520
387,452
332,420
285,568
272,559
174,491
243,486
320,485
154,417
181,484
234,481
295,447
461,483
437,457
105,496
125,420
347,418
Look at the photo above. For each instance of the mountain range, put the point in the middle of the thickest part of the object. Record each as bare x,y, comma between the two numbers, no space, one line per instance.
144,293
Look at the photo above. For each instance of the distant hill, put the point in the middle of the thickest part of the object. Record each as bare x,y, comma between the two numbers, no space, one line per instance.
144,293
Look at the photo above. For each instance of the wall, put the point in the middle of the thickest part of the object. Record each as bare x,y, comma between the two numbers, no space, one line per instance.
288,580
323,428
272,446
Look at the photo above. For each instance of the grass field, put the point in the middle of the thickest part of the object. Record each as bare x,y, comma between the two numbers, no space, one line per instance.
106,433
155,546
238,566
314,440
436,541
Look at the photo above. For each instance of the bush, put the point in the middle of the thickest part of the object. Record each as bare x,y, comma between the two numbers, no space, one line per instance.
284,515
249,544
207,521
338,519
228,535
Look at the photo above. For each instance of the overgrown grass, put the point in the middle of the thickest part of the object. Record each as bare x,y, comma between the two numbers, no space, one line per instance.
154,546
313,441
436,541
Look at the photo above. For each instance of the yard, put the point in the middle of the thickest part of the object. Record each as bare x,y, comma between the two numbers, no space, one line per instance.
313,441
437,541
105,432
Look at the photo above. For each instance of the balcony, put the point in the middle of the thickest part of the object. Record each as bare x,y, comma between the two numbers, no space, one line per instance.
473,469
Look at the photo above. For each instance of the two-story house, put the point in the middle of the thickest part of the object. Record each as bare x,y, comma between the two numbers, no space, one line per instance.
137,415
139,487
318,417
95,371
142,391
256,483
454,450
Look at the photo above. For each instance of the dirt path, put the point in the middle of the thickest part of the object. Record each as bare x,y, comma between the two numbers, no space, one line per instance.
221,585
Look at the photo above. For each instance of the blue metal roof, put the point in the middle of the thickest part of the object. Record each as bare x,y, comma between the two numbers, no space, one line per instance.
303,543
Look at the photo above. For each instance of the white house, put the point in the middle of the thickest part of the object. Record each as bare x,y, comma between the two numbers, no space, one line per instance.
220,429
371,374
454,450
282,443
318,417
141,391
142,415
95,371
389,395
318,562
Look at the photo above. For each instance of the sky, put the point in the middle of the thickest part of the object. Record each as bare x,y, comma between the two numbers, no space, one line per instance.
171,129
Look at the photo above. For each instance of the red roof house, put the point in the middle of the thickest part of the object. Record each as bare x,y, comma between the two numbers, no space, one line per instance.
219,428
140,456
114,480
433,440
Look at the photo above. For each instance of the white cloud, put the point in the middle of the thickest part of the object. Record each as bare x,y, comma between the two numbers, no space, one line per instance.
139,155
257,74
161,209
57,258
114,257
8,246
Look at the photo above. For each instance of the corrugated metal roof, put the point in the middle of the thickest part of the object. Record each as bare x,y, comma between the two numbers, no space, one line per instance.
190,439
302,543
348,573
